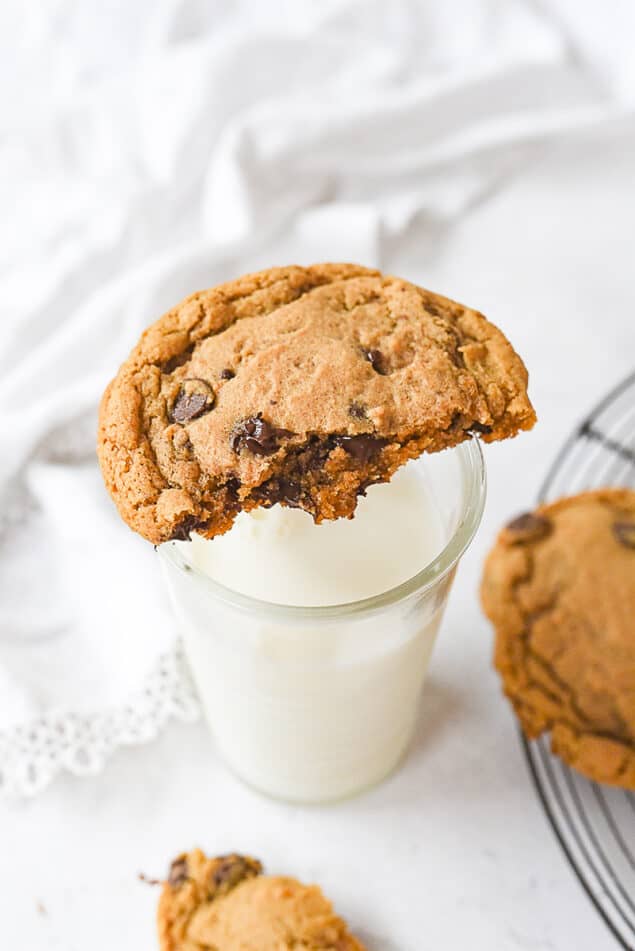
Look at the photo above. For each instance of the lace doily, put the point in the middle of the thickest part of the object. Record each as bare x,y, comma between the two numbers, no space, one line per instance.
34,753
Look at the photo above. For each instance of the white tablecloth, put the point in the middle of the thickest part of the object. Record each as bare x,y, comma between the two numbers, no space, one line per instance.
453,851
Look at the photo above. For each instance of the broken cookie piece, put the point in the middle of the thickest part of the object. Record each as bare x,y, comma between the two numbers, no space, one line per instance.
226,903
297,386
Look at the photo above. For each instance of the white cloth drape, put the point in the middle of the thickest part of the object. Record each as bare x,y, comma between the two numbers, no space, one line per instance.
154,148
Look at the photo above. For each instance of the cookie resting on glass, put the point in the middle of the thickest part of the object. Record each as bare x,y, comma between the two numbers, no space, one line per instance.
300,386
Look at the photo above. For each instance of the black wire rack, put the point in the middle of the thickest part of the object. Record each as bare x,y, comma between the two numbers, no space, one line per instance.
594,824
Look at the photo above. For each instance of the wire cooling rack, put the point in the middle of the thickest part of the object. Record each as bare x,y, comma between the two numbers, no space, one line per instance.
594,824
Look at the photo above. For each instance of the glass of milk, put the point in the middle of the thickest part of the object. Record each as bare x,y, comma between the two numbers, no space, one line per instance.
309,644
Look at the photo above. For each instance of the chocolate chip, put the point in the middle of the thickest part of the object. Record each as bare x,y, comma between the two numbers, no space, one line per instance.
313,456
363,447
187,525
625,533
189,407
290,491
194,398
233,869
279,490
178,871
357,411
477,427
377,361
257,435
528,527
227,374
233,485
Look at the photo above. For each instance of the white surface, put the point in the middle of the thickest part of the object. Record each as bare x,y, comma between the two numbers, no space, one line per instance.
453,851
454,848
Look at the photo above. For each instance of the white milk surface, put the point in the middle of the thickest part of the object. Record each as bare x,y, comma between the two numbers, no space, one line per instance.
302,708
279,555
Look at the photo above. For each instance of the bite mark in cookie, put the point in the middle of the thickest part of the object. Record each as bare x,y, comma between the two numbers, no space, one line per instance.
260,391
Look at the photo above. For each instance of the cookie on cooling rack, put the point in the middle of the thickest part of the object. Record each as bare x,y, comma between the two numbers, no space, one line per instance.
226,903
559,587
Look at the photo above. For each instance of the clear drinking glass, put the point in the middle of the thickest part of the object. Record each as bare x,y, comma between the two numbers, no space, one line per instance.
312,704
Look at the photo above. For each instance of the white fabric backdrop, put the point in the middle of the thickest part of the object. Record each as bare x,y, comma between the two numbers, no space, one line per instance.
152,148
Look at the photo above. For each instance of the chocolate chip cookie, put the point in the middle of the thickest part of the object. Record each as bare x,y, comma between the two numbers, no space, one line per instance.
559,587
226,904
298,386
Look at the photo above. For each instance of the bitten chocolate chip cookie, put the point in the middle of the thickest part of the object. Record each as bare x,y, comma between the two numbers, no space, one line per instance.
301,386
559,587
226,904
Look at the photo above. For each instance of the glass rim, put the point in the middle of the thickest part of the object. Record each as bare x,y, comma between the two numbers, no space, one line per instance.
475,491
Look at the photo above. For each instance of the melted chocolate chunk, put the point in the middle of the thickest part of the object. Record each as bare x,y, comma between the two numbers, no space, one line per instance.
279,490
365,485
257,435
477,427
233,485
233,869
313,456
194,398
455,423
625,533
189,524
362,448
290,491
528,527
377,361
189,407
178,871
357,411
227,374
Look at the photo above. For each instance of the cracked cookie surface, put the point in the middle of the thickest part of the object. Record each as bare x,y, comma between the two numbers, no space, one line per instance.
559,587
226,904
299,386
